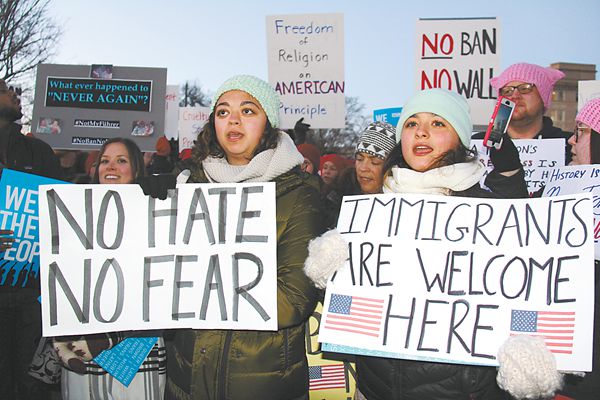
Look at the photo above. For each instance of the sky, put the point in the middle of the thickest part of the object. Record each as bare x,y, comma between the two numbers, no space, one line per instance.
207,42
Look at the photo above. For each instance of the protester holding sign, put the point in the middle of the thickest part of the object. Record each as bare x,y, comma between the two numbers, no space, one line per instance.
120,161
19,307
433,157
585,147
530,87
241,143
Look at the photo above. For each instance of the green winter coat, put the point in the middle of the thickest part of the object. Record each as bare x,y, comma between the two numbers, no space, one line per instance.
237,365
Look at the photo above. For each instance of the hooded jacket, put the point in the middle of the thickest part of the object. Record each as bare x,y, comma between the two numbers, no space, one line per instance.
235,364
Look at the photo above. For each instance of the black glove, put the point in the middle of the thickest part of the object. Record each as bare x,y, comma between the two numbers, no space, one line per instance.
157,186
300,130
507,157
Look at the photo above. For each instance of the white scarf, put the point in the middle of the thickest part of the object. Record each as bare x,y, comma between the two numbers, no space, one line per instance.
443,180
264,167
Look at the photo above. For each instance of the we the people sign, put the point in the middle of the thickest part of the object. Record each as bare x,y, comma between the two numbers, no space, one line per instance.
114,259
450,279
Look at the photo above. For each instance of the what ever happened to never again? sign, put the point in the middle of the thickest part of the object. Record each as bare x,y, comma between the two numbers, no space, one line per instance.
450,279
114,259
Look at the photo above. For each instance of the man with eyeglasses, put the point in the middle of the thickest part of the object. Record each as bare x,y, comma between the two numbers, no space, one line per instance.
530,87
20,313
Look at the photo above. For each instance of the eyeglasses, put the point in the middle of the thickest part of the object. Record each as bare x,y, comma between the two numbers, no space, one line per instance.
523,88
581,129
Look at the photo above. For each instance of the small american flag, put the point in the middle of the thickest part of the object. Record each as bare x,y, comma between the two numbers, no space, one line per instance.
555,327
326,377
355,314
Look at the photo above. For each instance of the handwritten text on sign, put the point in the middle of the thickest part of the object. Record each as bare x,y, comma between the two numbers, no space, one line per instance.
115,259
305,53
460,55
578,179
538,158
449,278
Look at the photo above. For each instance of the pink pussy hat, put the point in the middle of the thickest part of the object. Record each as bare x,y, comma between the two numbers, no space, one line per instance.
590,114
543,78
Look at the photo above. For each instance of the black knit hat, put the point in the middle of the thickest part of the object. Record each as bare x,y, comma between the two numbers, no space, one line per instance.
378,139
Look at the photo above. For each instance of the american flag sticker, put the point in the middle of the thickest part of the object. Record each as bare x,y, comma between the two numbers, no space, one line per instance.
360,315
557,328
326,377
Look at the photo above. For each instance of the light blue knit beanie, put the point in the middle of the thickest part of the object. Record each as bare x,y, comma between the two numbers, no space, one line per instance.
257,88
448,105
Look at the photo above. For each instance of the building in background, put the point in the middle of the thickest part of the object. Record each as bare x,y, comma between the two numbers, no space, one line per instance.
564,97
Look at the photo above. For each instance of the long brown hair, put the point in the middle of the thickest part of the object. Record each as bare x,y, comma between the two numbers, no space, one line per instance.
207,145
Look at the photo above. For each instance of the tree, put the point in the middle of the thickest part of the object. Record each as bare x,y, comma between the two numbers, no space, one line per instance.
28,36
193,95
342,141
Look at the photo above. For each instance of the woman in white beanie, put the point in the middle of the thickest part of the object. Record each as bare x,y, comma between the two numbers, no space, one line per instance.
433,156
241,142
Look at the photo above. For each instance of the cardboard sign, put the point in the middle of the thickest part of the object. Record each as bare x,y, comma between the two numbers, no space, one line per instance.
330,376
461,55
113,259
586,91
448,279
78,108
538,157
305,53
191,122
578,179
19,213
172,111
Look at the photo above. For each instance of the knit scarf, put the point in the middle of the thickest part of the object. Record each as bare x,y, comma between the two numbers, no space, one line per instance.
264,167
443,180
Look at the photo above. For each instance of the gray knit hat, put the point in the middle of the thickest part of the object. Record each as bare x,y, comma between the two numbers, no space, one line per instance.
257,88
378,139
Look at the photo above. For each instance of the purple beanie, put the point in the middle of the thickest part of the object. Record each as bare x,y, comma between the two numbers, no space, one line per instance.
590,114
543,78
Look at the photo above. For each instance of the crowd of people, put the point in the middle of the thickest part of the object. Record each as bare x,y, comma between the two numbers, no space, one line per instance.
429,152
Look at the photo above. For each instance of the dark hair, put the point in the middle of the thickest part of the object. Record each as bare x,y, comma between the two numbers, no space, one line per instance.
136,157
460,154
207,145
594,147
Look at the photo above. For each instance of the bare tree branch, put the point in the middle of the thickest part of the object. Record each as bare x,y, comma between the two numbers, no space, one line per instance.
28,36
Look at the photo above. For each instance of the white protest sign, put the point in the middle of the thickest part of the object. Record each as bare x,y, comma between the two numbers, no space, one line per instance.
191,122
578,179
449,278
171,111
461,55
113,259
305,53
538,157
587,90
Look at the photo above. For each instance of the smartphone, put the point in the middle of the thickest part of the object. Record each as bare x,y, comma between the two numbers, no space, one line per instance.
499,122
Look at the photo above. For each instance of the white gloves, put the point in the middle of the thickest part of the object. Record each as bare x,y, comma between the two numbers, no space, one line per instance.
326,254
527,368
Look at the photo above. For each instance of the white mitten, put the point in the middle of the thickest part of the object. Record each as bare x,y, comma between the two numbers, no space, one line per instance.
326,254
527,368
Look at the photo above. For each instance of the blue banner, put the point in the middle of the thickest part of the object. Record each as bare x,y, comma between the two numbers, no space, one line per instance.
389,115
19,213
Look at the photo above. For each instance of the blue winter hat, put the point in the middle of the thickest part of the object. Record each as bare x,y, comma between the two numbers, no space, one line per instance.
448,105
257,88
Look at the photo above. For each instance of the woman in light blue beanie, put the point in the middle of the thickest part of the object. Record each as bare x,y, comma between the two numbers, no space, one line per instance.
433,157
241,143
